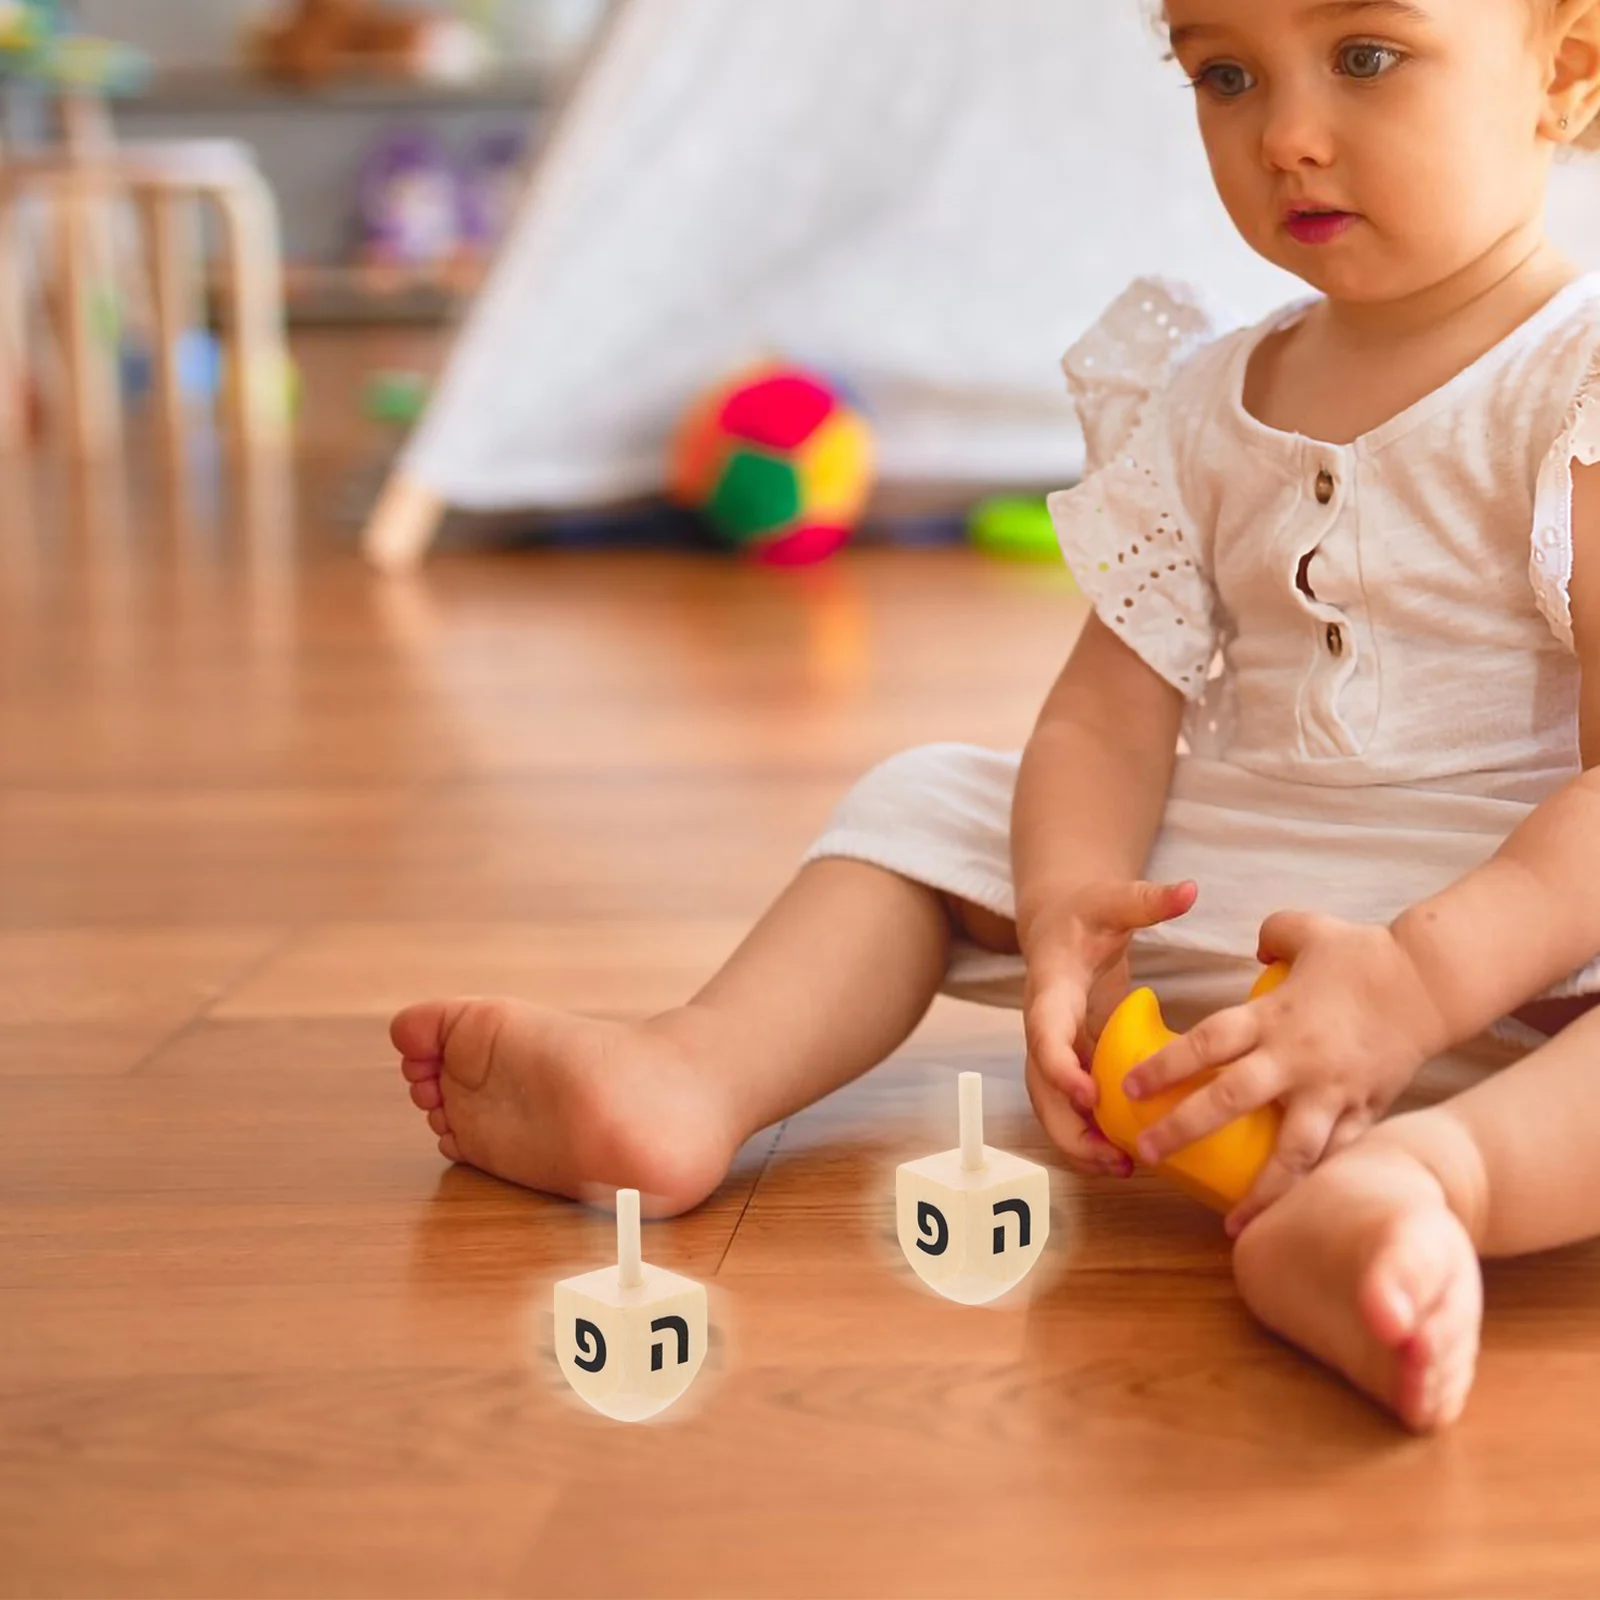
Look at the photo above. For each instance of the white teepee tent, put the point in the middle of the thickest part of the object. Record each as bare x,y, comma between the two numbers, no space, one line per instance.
929,198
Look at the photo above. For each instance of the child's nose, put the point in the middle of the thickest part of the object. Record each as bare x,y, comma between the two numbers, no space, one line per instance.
1297,133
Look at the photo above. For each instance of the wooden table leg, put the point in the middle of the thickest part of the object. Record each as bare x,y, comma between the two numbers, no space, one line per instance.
253,269
15,433
163,214
92,366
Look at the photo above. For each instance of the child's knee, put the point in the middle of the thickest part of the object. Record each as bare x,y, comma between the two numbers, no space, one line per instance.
953,794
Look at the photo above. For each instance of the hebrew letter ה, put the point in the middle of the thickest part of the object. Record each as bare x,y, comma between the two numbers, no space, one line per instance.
1024,1218
659,1348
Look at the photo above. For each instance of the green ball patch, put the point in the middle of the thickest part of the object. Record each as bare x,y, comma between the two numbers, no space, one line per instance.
756,495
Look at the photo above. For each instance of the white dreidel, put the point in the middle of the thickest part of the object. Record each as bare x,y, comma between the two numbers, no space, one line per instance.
972,1221
632,1337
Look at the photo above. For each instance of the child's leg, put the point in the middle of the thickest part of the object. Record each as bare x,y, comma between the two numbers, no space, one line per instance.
832,979
1372,1262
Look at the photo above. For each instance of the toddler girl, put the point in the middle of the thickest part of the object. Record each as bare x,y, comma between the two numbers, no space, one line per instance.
1335,704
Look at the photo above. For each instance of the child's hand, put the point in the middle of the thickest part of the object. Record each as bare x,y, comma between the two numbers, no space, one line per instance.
1335,1043
1083,1147
1077,959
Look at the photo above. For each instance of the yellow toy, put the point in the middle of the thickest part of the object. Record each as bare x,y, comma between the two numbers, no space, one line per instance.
1219,1170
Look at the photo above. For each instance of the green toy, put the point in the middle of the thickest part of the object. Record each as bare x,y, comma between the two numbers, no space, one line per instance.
395,399
1018,529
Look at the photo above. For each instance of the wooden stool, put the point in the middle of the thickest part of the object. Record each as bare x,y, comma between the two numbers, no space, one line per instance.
163,179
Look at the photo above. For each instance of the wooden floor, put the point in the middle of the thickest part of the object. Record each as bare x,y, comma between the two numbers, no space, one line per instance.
255,1339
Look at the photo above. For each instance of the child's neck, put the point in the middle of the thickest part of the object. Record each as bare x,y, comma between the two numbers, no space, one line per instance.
1501,287
1345,368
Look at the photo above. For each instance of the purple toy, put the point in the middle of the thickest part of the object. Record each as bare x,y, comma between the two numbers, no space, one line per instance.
408,201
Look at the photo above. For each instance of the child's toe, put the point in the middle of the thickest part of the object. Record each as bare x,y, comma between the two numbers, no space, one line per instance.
1414,1382
427,1095
438,1121
418,1031
1407,1279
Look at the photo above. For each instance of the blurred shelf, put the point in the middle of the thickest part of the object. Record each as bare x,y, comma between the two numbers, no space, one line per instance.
320,293
231,88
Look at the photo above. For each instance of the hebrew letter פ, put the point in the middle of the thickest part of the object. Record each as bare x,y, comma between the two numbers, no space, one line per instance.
931,1223
590,1336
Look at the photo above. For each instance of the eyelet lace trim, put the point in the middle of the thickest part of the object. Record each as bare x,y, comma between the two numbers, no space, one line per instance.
1550,559
1123,530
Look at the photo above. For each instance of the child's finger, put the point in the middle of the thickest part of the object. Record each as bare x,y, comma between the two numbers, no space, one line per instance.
1215,1041
1052,1025
1284,935
1346,1131
1304,1141
1248,1084
1085,1149
1125,908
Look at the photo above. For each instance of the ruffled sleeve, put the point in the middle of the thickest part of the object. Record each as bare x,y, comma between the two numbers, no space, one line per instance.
1124,530
1550,560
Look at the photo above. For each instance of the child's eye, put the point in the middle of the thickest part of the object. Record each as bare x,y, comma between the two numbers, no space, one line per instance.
1227,80
1367,60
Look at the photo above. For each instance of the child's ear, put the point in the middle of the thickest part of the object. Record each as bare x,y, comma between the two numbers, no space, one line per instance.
1573,92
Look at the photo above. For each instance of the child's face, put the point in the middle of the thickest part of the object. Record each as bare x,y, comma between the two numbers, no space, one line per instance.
1421,121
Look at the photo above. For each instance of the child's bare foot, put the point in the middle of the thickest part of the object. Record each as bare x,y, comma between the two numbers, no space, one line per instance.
1365,1265
567,1105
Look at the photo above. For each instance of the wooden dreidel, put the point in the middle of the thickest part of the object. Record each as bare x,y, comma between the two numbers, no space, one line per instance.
630,1338
1219,1170
972,1221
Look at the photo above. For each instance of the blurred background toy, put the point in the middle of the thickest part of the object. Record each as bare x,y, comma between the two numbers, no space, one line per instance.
1017,528
38,44
408,201
395,398
310,42
26,28
777,463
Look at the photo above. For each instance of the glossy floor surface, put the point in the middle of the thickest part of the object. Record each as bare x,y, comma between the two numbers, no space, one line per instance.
256,1339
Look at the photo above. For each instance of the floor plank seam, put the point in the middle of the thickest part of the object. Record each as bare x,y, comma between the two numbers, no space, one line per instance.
275,949
749,1199
165,1042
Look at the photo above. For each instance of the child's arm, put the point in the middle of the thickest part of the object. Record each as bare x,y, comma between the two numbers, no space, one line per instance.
1094,777
1530,915
1089,800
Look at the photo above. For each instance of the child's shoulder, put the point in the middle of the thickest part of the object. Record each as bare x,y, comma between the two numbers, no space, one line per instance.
1539,390
1156,328
1555,354
1159,337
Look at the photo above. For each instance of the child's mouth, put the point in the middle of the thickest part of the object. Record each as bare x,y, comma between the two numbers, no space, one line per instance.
1318,227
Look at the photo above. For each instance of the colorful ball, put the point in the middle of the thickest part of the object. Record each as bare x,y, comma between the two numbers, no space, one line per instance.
778,463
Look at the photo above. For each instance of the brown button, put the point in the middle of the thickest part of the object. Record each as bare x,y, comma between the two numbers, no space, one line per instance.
1324,487
1335,639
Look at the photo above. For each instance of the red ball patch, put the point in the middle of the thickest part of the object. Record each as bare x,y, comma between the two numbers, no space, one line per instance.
781,413
814,542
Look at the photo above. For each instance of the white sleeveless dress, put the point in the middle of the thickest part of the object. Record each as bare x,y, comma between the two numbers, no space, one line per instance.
1374,639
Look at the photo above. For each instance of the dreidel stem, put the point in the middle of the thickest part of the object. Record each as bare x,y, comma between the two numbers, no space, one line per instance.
630,1261
971,1086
